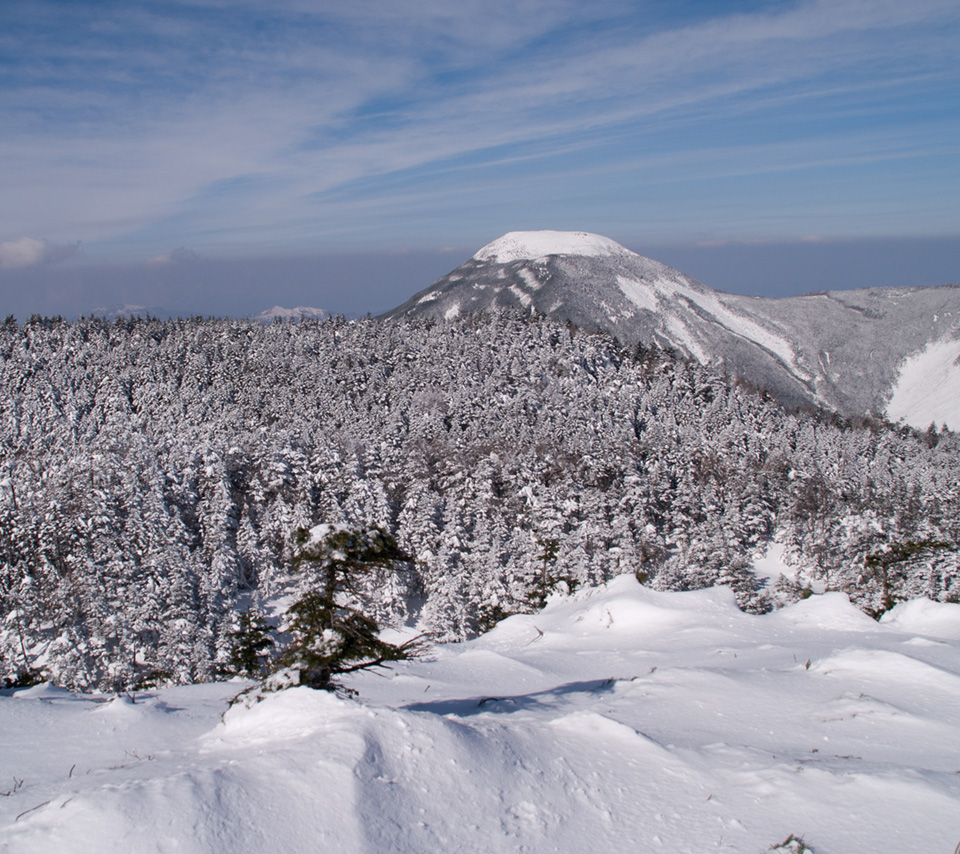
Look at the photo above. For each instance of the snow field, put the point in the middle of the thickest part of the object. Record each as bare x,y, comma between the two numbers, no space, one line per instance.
647,294
927,389
621,719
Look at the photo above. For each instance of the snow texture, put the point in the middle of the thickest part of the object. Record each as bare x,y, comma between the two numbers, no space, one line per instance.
620,720
640,294
530,245
711,305
772,564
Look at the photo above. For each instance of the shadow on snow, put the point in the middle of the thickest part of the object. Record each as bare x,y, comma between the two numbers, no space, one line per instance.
519,702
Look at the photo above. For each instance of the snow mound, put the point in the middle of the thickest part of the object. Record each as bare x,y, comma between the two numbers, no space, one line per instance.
530,245
286,715
925,617
927,389
830,611
620,719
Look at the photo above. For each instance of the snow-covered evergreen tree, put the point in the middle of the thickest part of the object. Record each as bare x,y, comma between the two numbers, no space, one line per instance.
151,473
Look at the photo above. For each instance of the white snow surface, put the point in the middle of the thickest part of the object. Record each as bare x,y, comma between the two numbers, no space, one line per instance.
531,245
639,293
772,564
927,389
525,299
318,533
621,719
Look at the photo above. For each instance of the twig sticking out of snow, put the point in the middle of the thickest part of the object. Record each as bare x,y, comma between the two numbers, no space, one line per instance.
31,810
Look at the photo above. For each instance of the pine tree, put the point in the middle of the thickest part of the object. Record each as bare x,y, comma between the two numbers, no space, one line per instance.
549,549
250,642
331,636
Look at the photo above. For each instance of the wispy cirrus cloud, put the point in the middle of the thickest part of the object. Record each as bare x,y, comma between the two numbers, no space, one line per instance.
138,127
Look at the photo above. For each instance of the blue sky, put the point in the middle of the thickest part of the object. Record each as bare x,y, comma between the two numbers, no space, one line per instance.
157,150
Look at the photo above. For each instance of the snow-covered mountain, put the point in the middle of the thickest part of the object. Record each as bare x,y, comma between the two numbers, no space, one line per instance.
889,351
279,312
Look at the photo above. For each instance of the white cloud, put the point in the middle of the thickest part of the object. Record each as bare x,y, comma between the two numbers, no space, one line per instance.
31,252
180,255
25,252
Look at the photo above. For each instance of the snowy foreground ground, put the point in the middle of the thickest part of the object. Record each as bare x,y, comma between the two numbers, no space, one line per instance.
620,720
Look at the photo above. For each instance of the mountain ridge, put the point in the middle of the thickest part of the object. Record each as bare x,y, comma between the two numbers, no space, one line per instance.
300,312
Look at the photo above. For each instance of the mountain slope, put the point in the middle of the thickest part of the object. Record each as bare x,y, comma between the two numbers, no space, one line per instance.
846,350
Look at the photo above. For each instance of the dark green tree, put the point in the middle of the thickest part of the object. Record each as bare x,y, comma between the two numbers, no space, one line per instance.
250,644
548,554
330,636
887,567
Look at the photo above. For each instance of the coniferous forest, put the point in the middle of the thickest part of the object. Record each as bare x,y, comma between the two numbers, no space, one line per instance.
152,474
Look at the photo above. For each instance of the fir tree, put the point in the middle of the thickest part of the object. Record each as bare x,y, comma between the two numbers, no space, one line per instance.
330,634
250,642
549,548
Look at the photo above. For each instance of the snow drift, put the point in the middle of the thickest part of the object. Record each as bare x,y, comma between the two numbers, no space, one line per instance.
622,719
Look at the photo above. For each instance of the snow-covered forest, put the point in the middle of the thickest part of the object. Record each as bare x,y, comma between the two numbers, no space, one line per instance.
153,472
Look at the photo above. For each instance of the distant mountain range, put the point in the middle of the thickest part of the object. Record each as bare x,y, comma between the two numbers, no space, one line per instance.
112,312
891,352
280,313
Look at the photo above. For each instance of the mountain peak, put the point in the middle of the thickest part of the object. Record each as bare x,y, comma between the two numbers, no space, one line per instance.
530,245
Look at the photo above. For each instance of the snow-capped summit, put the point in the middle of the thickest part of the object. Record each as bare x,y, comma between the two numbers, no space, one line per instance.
857,352
531,245
597,284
